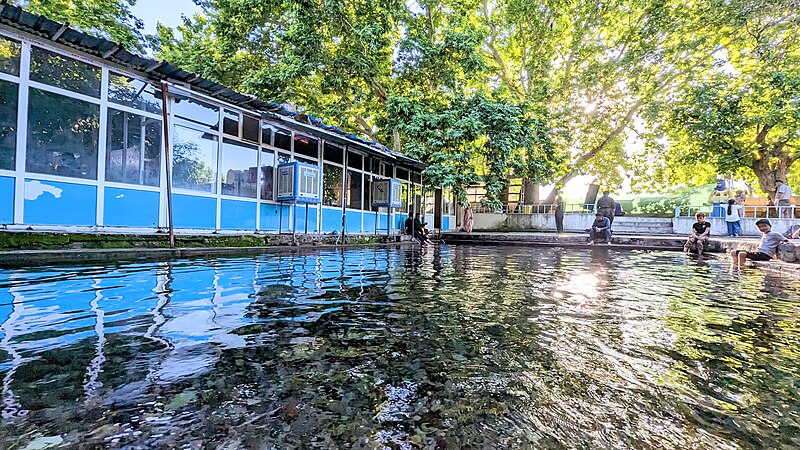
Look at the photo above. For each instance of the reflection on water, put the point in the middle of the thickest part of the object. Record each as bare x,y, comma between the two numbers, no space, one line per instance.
454,347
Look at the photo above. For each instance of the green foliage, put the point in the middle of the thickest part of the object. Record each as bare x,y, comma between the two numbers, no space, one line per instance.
111,19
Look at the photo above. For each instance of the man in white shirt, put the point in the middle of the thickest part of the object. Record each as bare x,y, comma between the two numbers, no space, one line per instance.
783,193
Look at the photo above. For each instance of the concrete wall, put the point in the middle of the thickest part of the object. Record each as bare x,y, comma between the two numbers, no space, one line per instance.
642,225
572,222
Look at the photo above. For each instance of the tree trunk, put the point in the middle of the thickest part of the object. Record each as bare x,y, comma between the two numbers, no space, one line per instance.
530,192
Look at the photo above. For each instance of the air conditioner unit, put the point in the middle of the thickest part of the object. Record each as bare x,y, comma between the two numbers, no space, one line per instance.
298,182
387,193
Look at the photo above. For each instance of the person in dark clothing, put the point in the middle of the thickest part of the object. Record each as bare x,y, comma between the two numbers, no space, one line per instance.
600,230
409,225
419,226
558,209
413,227
699,238
606,206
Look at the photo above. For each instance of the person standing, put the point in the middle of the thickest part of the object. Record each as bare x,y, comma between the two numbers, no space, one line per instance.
469,219
783,194
558,209
733,218
606,206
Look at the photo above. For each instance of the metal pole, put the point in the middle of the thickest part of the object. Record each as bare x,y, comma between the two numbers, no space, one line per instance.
306,227
165,114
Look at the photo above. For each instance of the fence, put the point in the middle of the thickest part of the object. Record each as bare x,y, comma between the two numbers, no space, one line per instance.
570,208
750,212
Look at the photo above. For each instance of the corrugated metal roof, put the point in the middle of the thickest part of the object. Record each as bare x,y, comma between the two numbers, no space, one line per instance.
17,18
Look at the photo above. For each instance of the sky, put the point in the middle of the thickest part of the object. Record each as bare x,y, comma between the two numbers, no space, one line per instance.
168,12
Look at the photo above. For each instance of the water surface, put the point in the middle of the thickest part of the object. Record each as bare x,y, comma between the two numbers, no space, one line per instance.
453,347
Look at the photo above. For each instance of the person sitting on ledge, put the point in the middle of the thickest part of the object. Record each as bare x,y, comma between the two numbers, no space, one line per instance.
767,248
414,228
701,233
600,230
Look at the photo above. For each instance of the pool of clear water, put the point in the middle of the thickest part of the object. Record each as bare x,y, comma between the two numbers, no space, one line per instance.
451,347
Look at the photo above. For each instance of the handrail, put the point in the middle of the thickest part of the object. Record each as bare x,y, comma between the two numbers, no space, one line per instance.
748,212
569,208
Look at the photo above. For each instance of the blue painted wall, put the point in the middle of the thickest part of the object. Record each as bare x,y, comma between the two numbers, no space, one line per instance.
399,221
270,216
189,211
445,223
331,219
300,221
369,222
6,200
130,208
353,224
238,215
56,203
382,220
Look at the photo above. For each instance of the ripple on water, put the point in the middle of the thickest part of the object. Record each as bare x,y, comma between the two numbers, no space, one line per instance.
451,347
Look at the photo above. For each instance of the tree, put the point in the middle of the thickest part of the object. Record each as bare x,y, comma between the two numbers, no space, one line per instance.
745,117
111,19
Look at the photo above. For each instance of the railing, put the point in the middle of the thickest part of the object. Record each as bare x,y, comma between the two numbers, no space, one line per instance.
748,212
570,208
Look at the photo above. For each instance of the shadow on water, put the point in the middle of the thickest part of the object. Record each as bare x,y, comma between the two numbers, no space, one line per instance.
441,347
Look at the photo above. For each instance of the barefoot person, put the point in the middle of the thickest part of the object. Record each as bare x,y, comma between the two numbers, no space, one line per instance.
767,248
701,233
469,219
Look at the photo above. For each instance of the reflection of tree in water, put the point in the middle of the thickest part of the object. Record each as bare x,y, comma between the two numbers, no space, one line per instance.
188,166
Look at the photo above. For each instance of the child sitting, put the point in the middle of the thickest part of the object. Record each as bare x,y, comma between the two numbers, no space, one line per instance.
701,233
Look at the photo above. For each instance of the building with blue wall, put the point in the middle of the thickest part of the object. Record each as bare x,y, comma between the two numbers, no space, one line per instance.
82,147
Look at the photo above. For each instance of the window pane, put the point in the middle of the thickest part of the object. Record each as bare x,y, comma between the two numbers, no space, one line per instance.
402,174
306,146
9,96
250,130
63,134
305,160
283,139
332,185
267,175
416,177
197,112
66,73
354,160
368,194
283,158
133,153
353,189
195,160
9,56
134,93
239,169
230,122
266,133
334,153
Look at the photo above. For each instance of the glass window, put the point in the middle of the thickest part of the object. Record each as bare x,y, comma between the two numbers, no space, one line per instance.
134,93
331,185
416,177
305,160
354,183
354,160
284,158
306,146
9,56
267,175
194,160
133,153
230,122
239,169
266,133
64,72
333,153
404,199
386,170
402,174
250,128
197,112
368,193
9,97
283,139
63,134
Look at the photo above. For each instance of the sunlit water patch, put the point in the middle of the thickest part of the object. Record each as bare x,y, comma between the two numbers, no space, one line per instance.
451,347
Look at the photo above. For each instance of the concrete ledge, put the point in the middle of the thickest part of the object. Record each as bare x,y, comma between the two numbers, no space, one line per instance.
29,258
